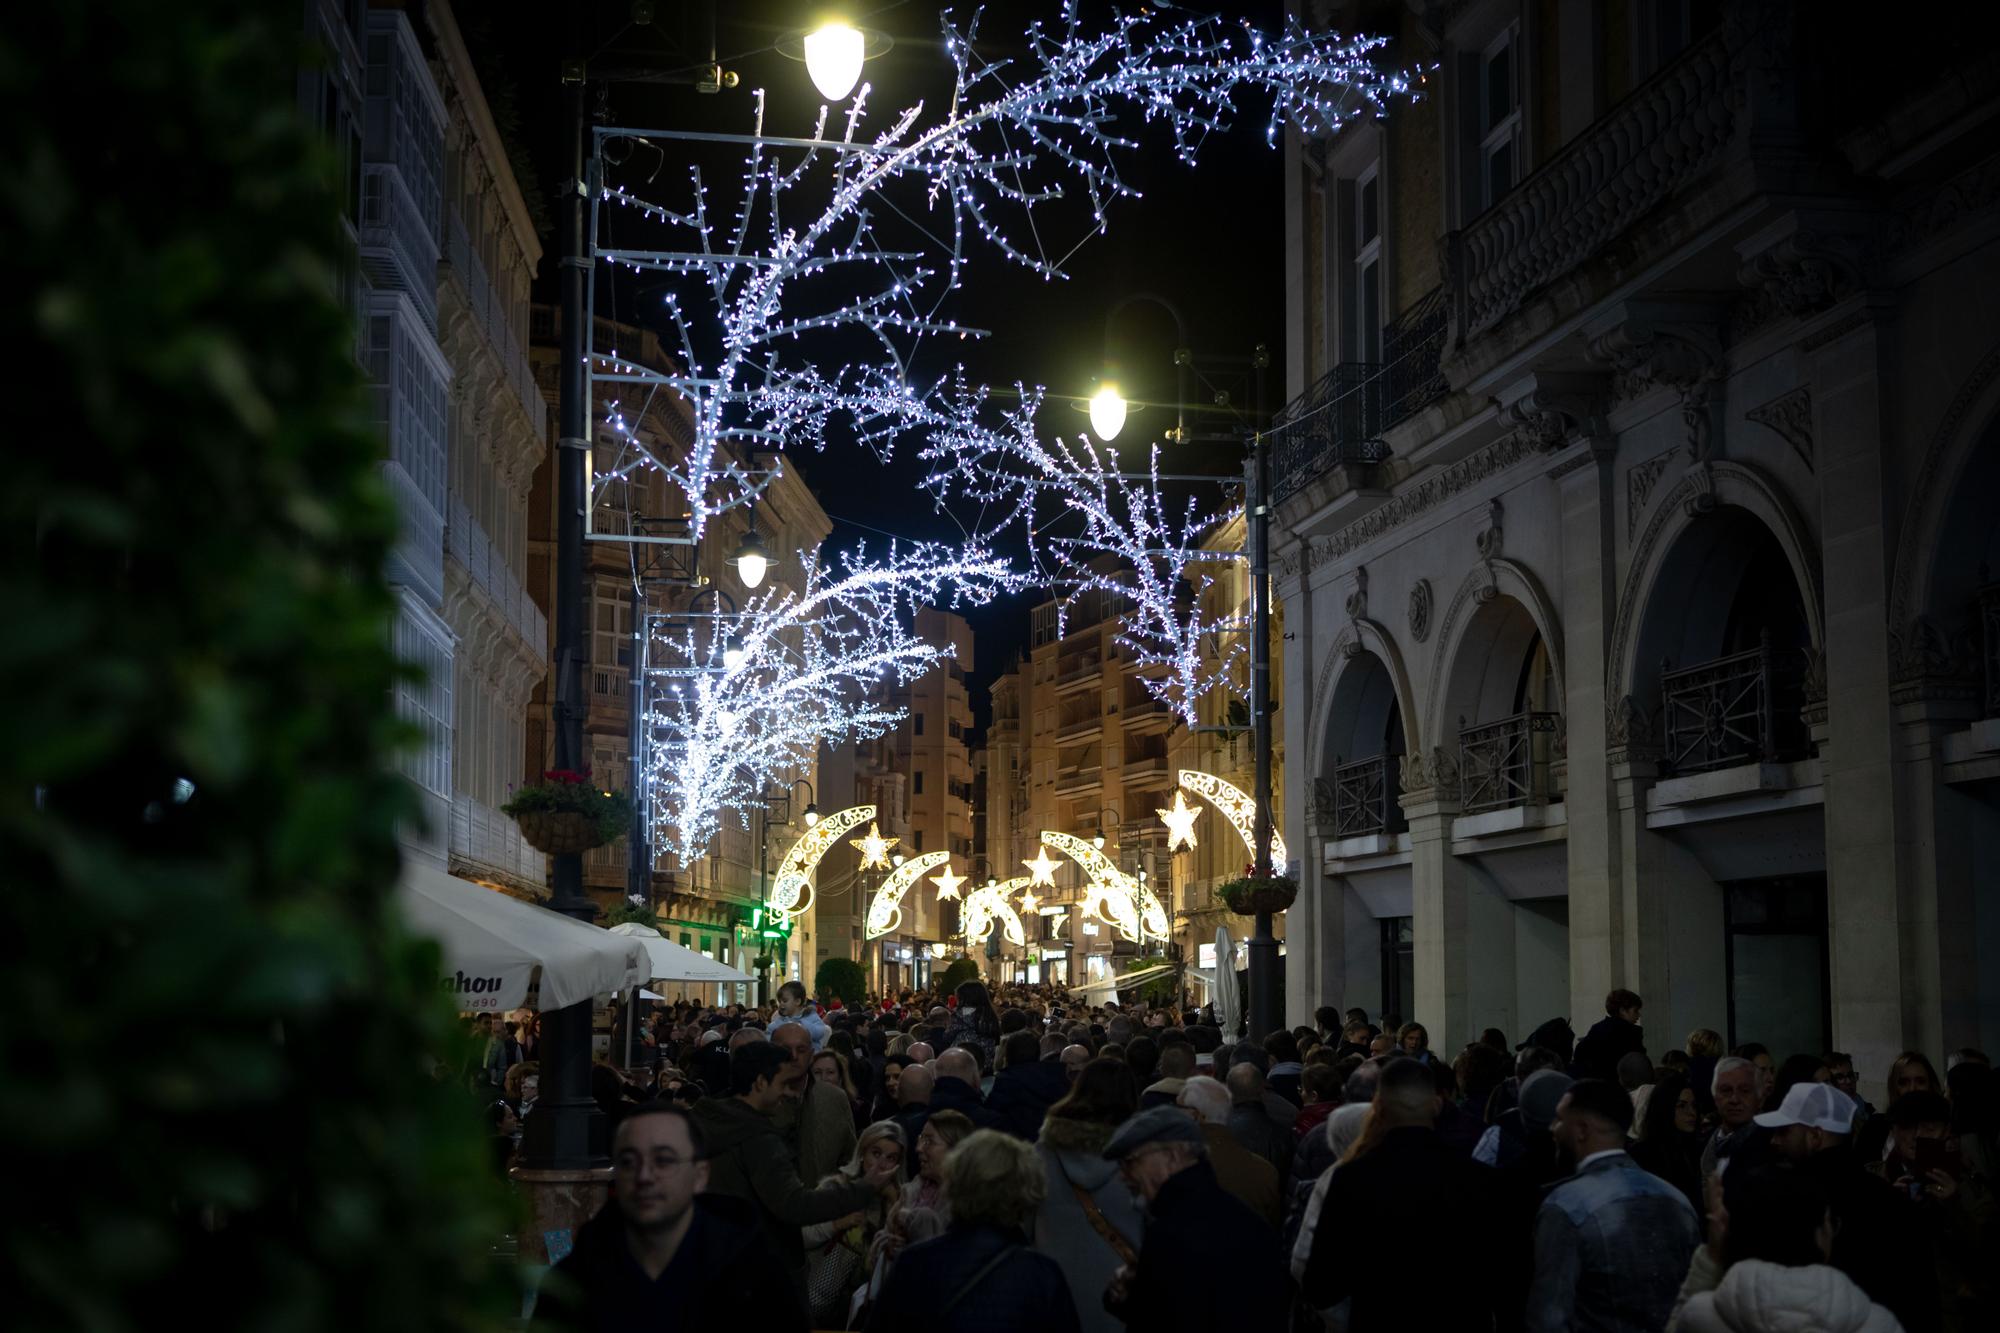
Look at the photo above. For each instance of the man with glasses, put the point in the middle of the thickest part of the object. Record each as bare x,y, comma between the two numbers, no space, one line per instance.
656,1256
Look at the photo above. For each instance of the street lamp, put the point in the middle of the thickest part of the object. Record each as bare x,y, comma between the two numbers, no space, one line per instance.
1116,819
1107,412
834,52
751,559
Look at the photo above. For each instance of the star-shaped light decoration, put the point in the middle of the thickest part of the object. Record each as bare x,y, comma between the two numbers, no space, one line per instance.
1027,900
1179,819
874,848
947,884
1044,867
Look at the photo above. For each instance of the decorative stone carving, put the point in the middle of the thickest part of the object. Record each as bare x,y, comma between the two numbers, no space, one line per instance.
1790,415
1411,779
1443,774
1804,273
1628,731
1972,193
1640,479
1489,538
1941,659
1700,488
1420,610
1322,806
1681,355
1548,408
1357,594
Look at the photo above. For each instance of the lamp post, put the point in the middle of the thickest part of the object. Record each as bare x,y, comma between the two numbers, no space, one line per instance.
1266,998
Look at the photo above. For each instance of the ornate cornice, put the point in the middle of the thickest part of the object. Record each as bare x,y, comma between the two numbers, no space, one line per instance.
1790,415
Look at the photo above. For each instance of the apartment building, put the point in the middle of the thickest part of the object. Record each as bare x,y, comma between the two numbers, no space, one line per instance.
445,252
1633,543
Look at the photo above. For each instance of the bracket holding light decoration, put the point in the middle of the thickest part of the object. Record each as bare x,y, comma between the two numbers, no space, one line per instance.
792,893
885,910
1115,898
1234,804
987,904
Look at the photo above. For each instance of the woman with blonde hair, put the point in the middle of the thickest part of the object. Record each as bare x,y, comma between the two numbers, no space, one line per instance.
837,1251
923,1210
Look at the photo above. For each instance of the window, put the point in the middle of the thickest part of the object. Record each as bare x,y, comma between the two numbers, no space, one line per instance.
1499,118
1368,267
917,728
610,628
917,783
1399,971
1777,961
917,841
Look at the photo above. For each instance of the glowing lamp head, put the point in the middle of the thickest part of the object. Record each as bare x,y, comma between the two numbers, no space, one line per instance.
812,813
751,559
732,653
1107,412
833,58
1098,842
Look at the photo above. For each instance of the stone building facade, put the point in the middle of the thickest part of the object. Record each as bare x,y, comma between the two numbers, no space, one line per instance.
1641,621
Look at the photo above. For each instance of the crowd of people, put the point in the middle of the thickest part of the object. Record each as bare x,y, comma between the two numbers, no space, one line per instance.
980,1161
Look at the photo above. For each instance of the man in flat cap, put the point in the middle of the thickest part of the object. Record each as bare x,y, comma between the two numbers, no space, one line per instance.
1194,1228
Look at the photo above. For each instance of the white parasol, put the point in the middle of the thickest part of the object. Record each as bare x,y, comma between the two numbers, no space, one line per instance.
1228,1004
492,945
677,962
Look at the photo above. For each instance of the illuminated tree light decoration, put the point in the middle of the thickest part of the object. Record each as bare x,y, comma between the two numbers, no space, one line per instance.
885,909
812,670
1115,898
874,849
791,894
987,904
1022,142
1179,819
1235,805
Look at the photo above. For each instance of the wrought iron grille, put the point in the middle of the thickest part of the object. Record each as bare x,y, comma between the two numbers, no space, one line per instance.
1340,419
1506,763
1721,712
1989,645
1364,798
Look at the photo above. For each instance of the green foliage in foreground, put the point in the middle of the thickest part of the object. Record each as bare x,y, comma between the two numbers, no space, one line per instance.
842,977
960,971
216,1099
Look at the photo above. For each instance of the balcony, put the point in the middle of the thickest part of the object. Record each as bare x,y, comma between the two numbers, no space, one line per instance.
1668,131
1147,714
1081,729
1506,763
397,248
1361,800
489,312
1148,770
1739,709
1074,671
1079,779
417,559
483,839
486,565
1339,421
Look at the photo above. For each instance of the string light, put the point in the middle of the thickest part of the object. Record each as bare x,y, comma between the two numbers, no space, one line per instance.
817,665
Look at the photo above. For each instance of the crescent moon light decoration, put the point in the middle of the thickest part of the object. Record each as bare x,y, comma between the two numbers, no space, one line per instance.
988,903
1236,806
885,910
1116,897
792,893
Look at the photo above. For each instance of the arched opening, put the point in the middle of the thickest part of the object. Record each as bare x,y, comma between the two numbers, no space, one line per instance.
1722,651
1505,700
1364,740
1963,608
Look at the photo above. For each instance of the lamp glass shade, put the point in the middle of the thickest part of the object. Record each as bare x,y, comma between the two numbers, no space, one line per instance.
833,59
1107,412
812,814
751,560
732,653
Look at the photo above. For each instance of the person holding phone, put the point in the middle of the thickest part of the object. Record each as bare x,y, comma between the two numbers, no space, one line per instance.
1953,1206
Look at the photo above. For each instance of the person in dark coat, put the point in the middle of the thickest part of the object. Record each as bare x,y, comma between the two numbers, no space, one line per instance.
660,1254
1667,1144
1555,1035
1392,1191
1026,1086
1610,1039
1208,1264
981,1275
957,1089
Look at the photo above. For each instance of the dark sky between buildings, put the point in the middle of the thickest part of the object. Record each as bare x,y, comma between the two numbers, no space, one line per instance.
1207,239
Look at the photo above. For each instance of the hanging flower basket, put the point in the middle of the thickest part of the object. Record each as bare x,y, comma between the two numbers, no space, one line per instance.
1255,894
566,813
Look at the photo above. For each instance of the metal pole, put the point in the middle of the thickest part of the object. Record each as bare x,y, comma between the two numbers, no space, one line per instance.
1266,1005
565,1130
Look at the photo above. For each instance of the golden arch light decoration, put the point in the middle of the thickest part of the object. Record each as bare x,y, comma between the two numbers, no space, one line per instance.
792,893
885,910
1235,805
1115,897
988,903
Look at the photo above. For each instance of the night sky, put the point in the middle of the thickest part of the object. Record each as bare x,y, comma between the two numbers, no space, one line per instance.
1208,239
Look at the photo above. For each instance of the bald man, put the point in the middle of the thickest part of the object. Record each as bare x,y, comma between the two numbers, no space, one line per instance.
1074,1058
920,1053
957,1089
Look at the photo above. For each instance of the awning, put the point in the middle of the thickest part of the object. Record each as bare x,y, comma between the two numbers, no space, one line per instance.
677,962
492,945
1124,981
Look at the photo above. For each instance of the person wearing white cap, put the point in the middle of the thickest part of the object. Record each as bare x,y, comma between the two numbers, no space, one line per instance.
1876,1240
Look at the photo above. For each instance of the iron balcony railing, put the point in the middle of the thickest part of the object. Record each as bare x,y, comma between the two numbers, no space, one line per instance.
1989,646
1340,419
1727,711
1364,798
1506,763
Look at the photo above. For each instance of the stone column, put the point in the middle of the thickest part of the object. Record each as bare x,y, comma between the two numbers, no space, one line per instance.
1462,929
1312,957
1939,874
1674,946
1870,936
